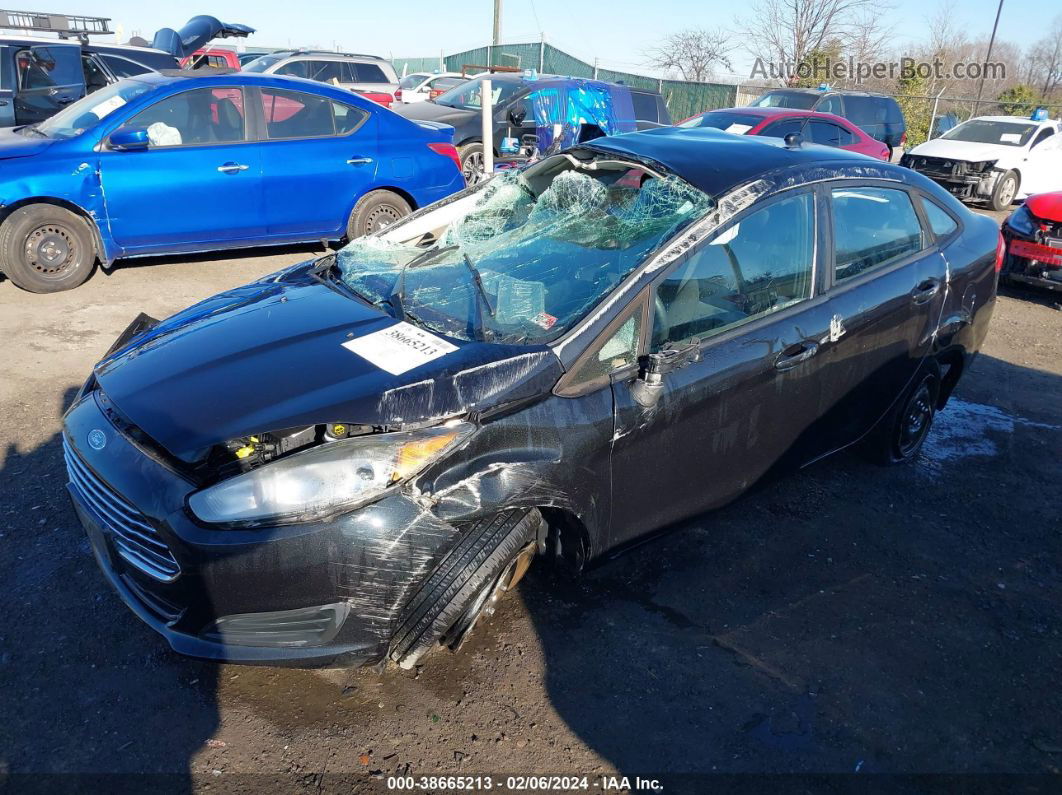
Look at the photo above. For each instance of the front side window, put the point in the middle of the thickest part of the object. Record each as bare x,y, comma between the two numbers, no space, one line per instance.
523,259
780,129
760,264
293,114
830,134
194,118
1043,135
617,349
49,67
872,227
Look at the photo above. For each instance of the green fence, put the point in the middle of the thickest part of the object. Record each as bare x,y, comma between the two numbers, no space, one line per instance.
683,99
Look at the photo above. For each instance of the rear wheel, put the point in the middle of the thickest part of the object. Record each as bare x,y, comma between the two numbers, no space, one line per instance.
375,211
1005,191
46,249
902,432
489,560
472,164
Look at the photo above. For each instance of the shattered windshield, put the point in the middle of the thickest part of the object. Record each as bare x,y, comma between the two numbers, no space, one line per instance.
531,256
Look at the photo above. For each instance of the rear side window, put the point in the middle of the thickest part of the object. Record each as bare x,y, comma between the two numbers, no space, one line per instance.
760,264
940,222
645,106
294,69
293,114
830,134
326,71
369,73
872,227
865,110
49,67
123,67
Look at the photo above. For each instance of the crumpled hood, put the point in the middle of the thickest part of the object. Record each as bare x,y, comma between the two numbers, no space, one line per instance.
430,111
963,150
269,356
12,144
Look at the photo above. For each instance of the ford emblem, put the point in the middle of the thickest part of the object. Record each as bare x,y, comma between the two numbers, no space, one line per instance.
97,439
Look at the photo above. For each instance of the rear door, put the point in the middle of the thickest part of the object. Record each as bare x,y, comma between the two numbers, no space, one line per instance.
199,183
319,156
48,79
887,288
7,87
747,298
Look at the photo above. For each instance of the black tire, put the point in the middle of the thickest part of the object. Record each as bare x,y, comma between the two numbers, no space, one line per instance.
375,211
471,568
46,249
902,432
1006,191
471,162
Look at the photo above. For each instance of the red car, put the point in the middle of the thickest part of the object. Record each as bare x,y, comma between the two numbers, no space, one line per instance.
1033,234
817,128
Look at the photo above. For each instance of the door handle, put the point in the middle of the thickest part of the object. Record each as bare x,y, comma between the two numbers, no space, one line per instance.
795,354
357,161
926,290
232,168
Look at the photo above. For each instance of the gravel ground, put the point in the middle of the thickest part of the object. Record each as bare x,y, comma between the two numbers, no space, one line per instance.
846,618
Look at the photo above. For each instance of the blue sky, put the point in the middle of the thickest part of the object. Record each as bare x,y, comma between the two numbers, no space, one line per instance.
616,31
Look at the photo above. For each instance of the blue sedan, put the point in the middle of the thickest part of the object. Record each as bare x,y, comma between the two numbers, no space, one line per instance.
178,162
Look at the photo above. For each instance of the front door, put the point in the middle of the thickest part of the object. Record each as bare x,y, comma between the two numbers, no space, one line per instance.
888,287
48,79
319,156
1042,169
198,184
747,298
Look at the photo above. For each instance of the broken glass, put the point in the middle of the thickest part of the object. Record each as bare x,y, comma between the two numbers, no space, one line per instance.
548,244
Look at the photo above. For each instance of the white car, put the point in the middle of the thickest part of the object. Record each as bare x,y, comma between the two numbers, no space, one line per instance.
993,158
419,86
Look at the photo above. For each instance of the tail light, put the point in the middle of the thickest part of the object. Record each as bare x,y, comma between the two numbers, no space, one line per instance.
398,94
435,92
447,150
1001,250
903,139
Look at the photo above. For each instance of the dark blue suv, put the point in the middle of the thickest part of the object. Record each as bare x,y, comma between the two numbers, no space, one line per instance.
178,162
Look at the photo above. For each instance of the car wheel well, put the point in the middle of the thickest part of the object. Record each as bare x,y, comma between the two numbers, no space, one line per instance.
567,539
951,365
398,192
97,240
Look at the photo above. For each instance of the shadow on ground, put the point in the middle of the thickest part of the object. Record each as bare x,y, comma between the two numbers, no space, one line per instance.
846,618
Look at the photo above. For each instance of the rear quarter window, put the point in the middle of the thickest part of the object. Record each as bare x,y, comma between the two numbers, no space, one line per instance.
369,73
645,106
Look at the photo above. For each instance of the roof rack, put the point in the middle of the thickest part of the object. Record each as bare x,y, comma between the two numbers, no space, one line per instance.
66,25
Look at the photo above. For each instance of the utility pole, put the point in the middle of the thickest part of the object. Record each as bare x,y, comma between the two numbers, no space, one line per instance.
497,22
991,41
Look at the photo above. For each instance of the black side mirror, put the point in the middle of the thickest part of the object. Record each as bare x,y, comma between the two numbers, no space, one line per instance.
647,389
517,116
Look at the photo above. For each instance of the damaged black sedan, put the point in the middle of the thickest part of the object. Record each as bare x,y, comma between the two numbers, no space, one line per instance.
349,461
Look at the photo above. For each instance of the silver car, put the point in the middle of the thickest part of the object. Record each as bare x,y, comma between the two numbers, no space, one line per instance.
363,73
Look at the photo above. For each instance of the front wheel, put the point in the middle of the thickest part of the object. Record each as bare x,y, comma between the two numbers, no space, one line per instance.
489,560
1005,191
375,211
46,249
902,432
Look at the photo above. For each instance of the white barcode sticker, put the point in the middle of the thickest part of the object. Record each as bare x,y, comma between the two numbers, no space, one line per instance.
399,348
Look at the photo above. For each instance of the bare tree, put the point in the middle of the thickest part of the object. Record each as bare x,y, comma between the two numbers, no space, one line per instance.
1044,61
786,32
692,54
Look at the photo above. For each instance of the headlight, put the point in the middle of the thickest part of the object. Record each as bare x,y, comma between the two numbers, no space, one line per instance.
1021,221
329,477
982,166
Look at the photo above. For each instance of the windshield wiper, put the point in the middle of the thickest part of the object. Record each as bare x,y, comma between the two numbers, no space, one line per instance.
33,129
322,272
479,283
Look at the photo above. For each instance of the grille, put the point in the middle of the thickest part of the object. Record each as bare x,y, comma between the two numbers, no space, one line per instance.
136,541
163,608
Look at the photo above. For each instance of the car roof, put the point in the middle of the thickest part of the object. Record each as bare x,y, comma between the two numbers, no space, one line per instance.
715,161
322,54
845,91
91,45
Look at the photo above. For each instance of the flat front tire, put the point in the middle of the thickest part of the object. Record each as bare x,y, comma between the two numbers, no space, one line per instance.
374,211
46,249
466,583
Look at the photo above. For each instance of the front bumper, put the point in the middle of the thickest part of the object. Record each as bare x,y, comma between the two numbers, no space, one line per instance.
954,176
1022,265
309,594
